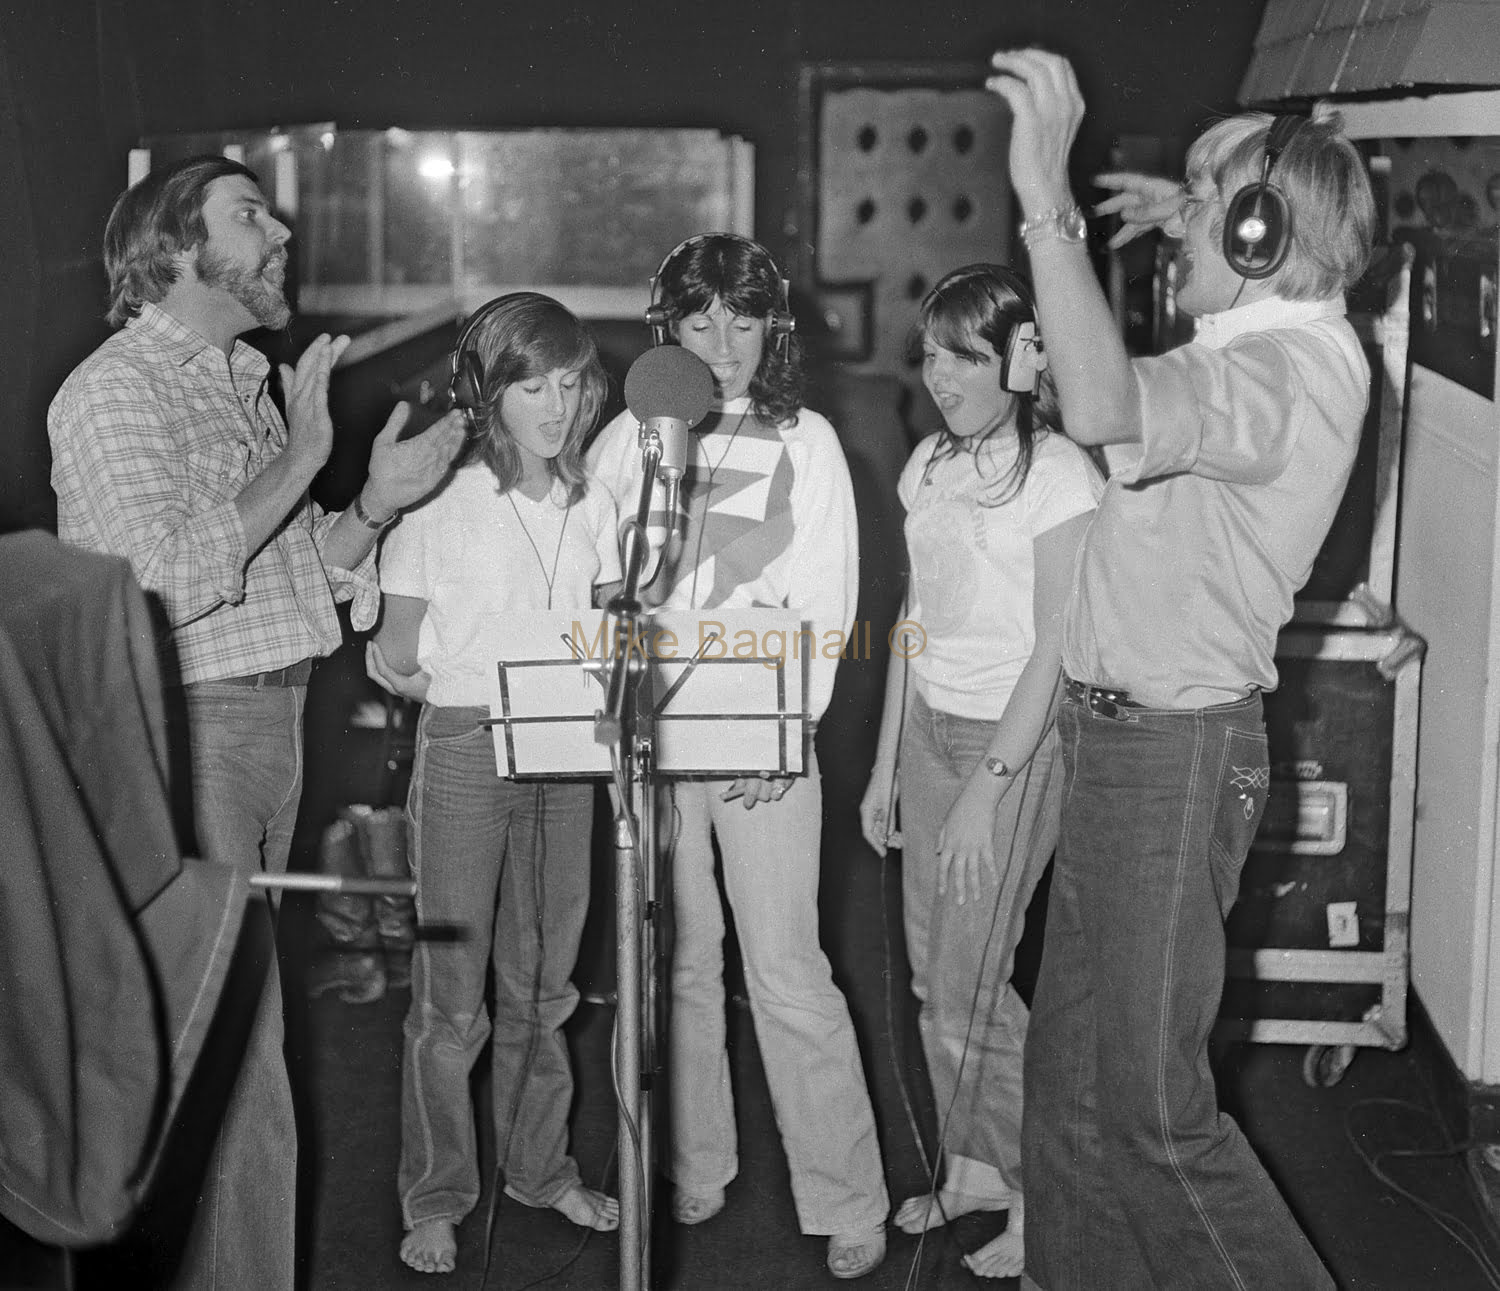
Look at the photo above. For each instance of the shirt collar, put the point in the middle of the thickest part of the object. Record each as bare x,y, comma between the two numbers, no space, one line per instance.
182,344
1270,314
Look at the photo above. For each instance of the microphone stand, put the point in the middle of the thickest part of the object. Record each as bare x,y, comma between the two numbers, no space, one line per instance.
625,725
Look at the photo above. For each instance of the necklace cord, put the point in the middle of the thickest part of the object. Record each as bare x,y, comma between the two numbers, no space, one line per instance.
536,551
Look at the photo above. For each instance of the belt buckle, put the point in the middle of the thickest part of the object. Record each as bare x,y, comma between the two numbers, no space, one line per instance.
1107,704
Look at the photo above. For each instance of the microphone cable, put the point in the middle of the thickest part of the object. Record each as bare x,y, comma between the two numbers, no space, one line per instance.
979,983
539,839
637,1163
932,1165
538,904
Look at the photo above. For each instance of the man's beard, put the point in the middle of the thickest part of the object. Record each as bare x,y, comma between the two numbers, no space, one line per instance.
266,303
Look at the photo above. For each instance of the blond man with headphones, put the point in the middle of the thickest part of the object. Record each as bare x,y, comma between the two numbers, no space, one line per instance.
1229,457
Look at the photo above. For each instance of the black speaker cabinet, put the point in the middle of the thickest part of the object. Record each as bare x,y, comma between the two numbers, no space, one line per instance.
1352,579
1318,939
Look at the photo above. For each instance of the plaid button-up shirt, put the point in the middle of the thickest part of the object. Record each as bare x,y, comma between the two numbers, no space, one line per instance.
153,437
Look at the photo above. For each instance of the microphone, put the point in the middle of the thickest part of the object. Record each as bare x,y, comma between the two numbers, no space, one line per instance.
669,390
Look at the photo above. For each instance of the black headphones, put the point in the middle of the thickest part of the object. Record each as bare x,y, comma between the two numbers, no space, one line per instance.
1024,359
782,322
1258,219
466,368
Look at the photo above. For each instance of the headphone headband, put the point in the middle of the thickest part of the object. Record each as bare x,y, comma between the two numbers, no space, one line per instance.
465,370
1278,135
783,324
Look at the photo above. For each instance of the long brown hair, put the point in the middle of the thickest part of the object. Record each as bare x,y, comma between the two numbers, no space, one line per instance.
523,335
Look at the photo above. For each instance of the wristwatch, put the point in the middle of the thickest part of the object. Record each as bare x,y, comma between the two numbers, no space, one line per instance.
996,767
1065,223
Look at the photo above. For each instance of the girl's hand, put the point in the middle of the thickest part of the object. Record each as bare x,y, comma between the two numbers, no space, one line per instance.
753,789
966,842
877,809
402,685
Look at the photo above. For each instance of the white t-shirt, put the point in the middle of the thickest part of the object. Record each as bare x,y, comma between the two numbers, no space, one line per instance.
478,556
973,567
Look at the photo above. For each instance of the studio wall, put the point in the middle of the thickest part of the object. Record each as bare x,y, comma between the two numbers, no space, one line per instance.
81,80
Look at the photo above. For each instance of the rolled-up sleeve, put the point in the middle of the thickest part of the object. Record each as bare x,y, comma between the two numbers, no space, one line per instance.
122,485
359,586
1229,414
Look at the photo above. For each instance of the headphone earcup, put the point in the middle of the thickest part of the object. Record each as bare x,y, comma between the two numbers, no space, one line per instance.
1022,371
1257,231
657,320
467,387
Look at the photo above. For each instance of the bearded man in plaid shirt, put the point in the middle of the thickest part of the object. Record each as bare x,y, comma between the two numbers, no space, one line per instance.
169,450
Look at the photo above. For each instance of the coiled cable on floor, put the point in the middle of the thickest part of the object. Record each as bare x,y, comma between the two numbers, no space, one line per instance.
1460,1232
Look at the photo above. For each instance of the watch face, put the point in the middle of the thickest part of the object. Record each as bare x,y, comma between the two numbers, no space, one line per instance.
996,766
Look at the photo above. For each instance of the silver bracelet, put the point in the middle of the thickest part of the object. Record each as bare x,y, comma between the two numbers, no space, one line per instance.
363,516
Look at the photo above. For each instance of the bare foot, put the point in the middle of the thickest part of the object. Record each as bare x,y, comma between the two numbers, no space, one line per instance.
430,1247
1005,1257
584,1207
920,1213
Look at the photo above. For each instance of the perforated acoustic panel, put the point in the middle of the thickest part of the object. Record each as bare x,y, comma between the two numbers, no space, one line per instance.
912,182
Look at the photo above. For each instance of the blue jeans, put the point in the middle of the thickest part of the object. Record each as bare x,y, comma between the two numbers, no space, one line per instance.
245,746
972,1021
1134,1177
771,866
502,870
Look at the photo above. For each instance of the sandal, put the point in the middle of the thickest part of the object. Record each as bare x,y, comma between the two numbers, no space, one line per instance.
852,1255
691,1208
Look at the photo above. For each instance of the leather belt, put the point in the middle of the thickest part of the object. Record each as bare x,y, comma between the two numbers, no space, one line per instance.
1107,701
294,674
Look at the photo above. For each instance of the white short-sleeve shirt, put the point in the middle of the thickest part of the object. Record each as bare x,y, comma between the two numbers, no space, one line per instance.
972,561
478,556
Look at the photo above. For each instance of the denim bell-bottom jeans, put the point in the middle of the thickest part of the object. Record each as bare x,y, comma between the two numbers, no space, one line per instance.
972,1022
502,871
802,1024
1134,1178
244,747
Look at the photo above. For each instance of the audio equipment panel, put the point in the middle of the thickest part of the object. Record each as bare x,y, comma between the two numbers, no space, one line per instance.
1318,937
